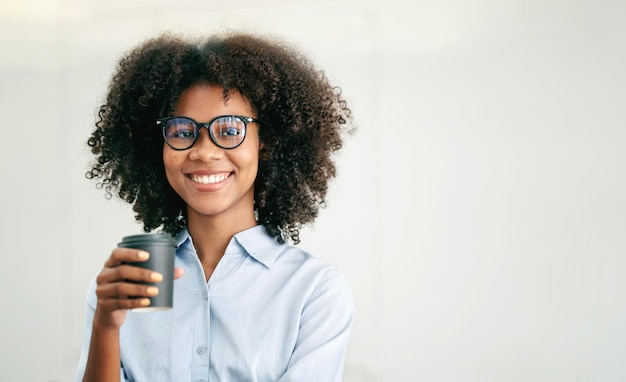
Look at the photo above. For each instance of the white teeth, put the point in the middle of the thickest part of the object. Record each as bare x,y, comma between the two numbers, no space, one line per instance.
209,179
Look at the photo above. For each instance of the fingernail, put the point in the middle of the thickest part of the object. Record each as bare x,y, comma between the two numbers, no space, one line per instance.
152,291
143,255
156,277
144,302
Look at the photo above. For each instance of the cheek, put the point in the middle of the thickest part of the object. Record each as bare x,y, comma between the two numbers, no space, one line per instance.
251,159
170,162
166,159
254,150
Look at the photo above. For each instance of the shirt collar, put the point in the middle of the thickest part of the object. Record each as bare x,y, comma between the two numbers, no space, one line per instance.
181,237
254,241
258,244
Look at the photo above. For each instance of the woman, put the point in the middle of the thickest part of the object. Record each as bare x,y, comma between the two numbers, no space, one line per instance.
227,145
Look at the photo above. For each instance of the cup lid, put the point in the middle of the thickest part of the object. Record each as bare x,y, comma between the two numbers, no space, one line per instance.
155,238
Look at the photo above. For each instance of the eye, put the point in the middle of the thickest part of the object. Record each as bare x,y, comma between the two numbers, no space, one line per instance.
229,127
183,134
231,132
180,129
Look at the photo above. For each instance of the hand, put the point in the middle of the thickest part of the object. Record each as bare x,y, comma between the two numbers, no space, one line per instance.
118,289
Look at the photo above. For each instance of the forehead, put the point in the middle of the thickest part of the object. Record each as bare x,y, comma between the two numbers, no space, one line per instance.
205,101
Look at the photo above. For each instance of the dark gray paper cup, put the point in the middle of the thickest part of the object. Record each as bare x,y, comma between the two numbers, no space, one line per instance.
162,252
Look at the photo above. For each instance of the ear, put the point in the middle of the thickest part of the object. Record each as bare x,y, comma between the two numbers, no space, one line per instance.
264,155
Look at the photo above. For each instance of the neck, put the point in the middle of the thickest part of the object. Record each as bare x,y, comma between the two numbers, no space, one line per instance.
211,235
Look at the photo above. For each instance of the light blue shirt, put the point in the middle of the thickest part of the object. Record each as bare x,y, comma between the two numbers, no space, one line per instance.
269,312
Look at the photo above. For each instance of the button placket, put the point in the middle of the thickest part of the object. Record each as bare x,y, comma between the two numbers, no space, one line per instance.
201,349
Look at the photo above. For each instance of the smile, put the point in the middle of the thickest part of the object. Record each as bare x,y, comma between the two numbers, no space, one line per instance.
209,179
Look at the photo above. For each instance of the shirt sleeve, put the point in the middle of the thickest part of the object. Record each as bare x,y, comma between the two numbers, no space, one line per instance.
325,326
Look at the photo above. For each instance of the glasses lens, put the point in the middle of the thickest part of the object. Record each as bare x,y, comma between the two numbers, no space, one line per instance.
180,133
228,131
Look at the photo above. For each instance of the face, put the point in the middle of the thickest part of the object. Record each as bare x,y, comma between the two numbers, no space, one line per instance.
215,183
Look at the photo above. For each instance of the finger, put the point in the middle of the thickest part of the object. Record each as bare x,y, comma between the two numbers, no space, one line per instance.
178,272
123,303
124,290
124,295
124,255
128,272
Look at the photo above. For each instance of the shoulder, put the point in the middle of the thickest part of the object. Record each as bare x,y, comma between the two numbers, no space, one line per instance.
295,257
320,275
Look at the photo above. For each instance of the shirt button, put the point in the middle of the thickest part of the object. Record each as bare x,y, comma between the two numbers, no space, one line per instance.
201,349
205,296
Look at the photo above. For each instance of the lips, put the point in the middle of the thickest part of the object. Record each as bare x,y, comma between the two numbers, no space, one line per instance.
209,179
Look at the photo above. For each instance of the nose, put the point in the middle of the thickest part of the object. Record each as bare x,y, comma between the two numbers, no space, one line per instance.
205,149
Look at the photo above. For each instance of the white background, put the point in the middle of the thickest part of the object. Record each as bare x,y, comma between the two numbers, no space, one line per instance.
479,212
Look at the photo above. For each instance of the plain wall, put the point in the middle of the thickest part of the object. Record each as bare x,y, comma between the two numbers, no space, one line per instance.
479,212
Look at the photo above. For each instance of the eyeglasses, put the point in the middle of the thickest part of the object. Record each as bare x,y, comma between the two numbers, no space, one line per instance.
226,131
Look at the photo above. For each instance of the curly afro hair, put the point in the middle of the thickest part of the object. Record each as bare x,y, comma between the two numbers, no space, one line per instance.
303,116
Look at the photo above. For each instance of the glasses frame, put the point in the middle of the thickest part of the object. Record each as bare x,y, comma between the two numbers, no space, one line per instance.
162,122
